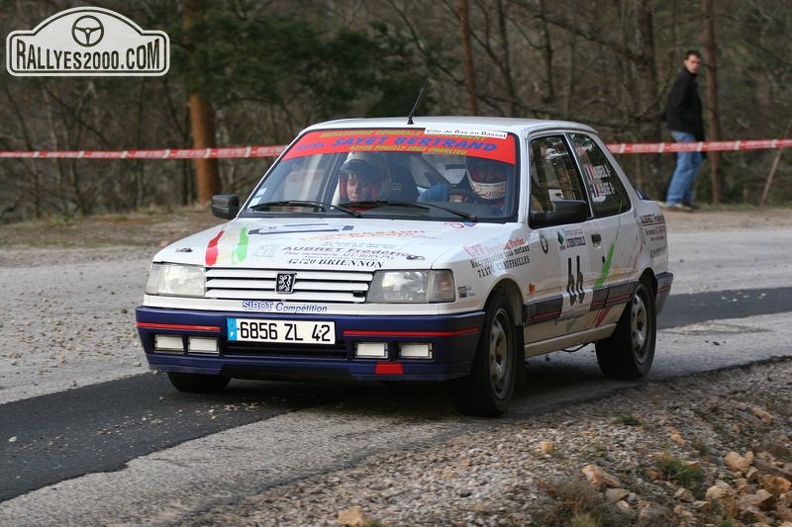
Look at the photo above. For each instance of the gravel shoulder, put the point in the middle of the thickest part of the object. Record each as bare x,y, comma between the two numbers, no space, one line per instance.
645,456
701,450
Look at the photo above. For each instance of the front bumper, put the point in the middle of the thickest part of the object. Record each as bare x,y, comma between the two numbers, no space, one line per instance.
453,340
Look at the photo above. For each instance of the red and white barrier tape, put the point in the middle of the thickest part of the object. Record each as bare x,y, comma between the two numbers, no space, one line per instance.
169,153
273,151
708,146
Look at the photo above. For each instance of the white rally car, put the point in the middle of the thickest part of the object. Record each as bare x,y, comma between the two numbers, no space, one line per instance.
439,249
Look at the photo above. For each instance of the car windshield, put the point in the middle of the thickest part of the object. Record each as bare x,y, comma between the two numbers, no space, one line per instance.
412,173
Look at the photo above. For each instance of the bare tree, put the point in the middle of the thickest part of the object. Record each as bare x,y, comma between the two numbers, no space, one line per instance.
202,121
713,113
467,53
648,110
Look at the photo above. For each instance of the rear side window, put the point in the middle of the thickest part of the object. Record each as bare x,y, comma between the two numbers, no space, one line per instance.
553,174
605,189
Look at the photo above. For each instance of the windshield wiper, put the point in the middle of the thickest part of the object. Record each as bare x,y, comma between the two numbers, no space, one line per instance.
460,213
316,205
423,206
373,204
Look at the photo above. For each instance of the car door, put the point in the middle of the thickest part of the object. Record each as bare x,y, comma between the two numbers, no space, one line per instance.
561,287
612,231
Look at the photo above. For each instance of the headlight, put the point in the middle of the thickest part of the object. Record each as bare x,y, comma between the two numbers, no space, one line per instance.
411,287
176,280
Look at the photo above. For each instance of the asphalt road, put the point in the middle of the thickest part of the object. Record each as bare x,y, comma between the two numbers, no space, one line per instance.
133,447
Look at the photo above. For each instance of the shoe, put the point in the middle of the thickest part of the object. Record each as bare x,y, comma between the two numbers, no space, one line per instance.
676,207
692,205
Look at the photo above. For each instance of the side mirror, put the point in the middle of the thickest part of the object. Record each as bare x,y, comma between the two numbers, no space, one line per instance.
564,211
225,206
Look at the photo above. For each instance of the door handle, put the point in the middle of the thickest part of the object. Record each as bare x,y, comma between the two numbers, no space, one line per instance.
596,238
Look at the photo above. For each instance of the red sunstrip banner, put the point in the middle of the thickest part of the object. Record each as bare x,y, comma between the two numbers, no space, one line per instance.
274,151
498,146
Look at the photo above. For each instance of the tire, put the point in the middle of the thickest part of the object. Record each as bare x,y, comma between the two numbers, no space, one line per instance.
628,353
487,391
197,382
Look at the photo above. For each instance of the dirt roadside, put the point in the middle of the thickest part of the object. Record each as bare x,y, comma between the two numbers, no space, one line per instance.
150,229
724,219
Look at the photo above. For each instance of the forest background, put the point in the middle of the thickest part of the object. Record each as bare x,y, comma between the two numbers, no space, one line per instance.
247,72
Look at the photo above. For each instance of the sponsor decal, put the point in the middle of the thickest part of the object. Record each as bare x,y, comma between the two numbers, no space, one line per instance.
343,255
657,252
487,259
599,182
465,132
652,219
357,244
266,251
227,248
465,291
570,238
654,227
87,41
574,257
375,234
299,228
574,289
495,145
270,306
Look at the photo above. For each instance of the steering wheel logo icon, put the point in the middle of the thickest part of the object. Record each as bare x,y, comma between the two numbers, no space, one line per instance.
87,31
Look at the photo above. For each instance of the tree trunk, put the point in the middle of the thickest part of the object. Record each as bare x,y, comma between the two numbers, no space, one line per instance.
508,80
202,124
202,119
649,106
470,74
713,113
549,93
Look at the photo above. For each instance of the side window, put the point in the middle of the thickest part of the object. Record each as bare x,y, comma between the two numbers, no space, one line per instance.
607,193
553,174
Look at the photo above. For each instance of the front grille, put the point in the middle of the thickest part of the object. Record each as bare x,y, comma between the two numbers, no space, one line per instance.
308,286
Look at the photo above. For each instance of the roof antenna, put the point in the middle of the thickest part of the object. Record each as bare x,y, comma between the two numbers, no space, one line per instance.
417,102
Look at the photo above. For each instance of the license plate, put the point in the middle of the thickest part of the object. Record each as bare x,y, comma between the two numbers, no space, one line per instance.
281,331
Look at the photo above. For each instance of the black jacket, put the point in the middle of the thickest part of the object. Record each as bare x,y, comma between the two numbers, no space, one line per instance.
683,111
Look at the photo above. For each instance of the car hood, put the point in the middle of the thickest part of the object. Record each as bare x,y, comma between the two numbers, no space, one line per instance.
342,243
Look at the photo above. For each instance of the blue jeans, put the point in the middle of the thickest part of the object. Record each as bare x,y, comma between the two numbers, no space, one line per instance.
687,168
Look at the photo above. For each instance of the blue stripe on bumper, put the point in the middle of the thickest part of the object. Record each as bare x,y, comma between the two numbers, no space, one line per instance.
453,338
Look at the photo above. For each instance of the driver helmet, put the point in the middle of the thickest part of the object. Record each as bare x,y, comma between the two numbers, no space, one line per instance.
487,177
361,178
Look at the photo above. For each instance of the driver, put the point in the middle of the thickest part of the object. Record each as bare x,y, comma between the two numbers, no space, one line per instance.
360,181
485,182
487,178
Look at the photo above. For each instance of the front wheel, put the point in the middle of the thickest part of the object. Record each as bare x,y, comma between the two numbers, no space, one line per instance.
197,382
629,352
488,389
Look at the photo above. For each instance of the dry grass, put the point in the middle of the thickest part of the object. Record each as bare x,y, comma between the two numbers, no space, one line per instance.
152,228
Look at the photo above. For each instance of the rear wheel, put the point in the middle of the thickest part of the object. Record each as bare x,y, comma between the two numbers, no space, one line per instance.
629,352
488,389
197,382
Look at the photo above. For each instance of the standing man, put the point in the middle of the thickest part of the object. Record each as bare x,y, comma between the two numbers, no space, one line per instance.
684,119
